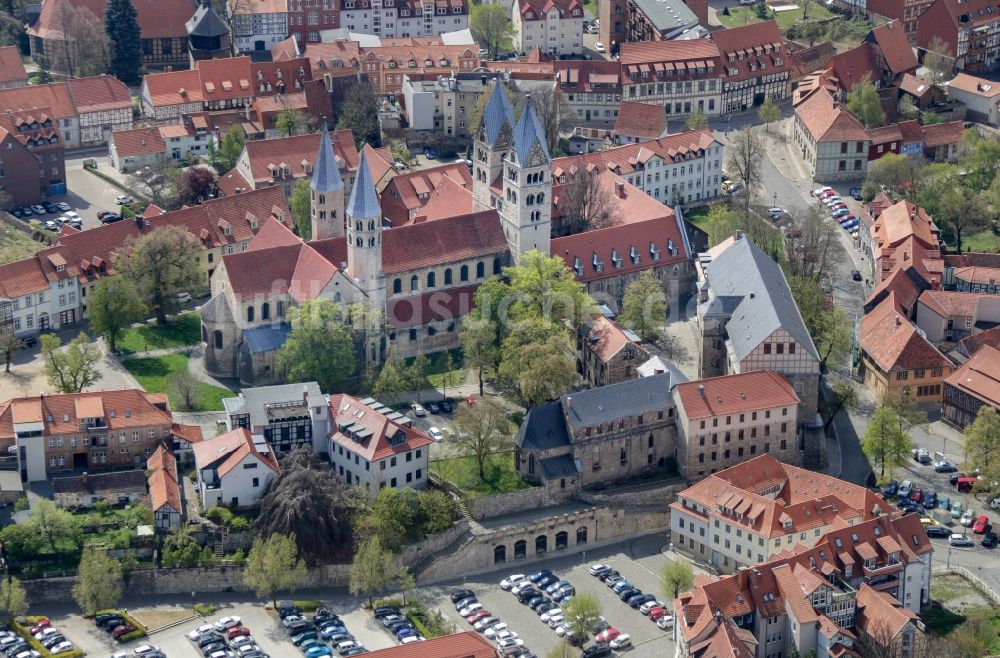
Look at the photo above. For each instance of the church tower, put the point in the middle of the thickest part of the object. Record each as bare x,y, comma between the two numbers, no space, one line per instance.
526,212
493,137
326,193
364,252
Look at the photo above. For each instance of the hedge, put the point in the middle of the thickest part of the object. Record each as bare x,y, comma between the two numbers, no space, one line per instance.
420,625
308,606
36,645
140,630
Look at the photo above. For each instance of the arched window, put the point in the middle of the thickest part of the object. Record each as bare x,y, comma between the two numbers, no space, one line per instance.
540,197
359,224
371,225
562,540
531,464
359,242
520,549
337,297
249,313
480,270
431,280
529,200
322,198
496,265
217,335
541,544
413,282
265,311
499,554
447,277
463,273
397,286
281,309
581,535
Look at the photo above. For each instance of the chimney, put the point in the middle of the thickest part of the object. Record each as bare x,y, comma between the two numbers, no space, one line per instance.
620,189
701,390
305,393
899,321
569,402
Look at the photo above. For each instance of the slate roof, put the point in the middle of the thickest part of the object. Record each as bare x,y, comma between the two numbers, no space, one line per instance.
326,173
559,466
254,400
527,133
743,270
498,111
206,23
628,398
266,338
543,428
364,197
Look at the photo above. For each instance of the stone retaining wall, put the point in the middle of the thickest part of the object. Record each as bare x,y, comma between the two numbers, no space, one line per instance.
518,501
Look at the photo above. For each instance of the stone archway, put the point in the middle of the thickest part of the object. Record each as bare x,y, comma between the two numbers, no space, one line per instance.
541,544
520,549
499,554
562,540
581,535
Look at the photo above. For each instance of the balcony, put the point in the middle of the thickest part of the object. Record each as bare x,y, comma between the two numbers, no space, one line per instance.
883,583
885,569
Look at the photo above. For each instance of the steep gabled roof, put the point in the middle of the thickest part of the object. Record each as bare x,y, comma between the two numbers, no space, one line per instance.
11,67
895,47
445,240
748,391
326,174
226,451
369,433
826,120
980,376
497,113
364,197
894,343
528,135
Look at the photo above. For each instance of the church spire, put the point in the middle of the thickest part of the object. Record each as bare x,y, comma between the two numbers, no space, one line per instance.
527,132
364,198
497,111
326,176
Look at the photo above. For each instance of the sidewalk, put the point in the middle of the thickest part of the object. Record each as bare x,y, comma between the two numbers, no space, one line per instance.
779,144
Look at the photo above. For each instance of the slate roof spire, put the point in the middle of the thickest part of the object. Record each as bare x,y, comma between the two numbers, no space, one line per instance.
326,176
364,198
498,109
527,132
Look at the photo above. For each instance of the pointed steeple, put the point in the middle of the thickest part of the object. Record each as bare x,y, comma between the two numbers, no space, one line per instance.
364,198
498,110
527,132
326,176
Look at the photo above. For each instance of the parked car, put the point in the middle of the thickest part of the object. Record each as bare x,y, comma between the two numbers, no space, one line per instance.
944,467
124,199
183,297
456,596
989,540
930,500
598,569
891,488
856,193
840,212
146,649
982,524
904,489
111,218
485,623
446,406
122,630
226,623
623,641
237,631
938,531
607,635
433,407
649,605
917,495
318,651
821,190
493,630
968,518
637,601
62,206
601,649
435,433
418,410
41,625
656,613
193,635
665,622
960,541
477,615
599,47
956,509
539,575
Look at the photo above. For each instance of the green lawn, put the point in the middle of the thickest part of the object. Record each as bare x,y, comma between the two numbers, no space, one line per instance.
154,374
16,245
464,474
699,216
982,241
739,16
436,373
184,329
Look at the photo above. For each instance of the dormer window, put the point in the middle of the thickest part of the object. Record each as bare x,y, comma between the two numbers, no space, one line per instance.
228,230
530,15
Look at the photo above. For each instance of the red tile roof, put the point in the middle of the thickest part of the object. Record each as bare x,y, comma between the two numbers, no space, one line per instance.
406,194
582,76
99,93
449,199
22,277
55,96
758,43
157,18
138,142
911,84
223,79
622,160
640,120
228,450
446,240
173,88
11,66
468,644
850,66
980,376
380,162
978,274
749,391
880,615
975,342
941,134
232,182
163,486
895,47
349,412
643,52
974,85
827,121
541,8
948,304
606,339
894,343
976,11
448,304
60,412
294,151
298,270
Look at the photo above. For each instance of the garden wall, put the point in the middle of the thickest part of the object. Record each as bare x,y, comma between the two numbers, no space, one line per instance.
663,494
516,501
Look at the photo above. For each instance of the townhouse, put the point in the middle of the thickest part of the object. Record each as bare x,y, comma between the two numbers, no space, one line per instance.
969,29
164,490
973,384
746,514
131,150
286,415
32,164
48,290
608,353
373,447
592,90
948,317
682,76
833,144
981,97
258,26
553,26
90,431
443,104
234,469
755,65
403,20
903,236
637,123
972,272
723,421
903,12
386,65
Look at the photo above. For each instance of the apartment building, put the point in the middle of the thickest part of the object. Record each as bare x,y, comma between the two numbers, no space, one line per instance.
833,144
131,150
403,19
645,20
682,76
386,65
970,29
443,104
260,25
373,447
592,90
84,431
755,63
234,469
981,97
555,27
745,514
947,317
723,421
286,415
32,164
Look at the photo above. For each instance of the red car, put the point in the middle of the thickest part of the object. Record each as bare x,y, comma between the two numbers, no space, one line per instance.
237,631
122,630
917,495
477,615
982,525
41,625
656,613
607,635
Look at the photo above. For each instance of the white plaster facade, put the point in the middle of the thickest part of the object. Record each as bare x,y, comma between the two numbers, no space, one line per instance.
555,31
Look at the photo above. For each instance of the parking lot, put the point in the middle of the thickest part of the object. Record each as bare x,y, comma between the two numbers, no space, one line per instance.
647,638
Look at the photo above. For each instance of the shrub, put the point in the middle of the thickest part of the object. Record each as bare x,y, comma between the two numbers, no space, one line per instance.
205,609
308,606
140,630
239,524
389,602
21,504
220,515
239,557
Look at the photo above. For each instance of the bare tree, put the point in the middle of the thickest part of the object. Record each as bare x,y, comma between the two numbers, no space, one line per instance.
85,42
811,239
584,204
186,390
746,152
549,108
938,60
157,182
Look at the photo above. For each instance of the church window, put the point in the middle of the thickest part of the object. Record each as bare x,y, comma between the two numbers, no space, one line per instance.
480,270
265,311
322,198
217,335
371,225
447,277
249,313
529,200
359,242
431,280
397,286
413,282
463,273
281,309
359,225
496,266
540,197
431,330
338,298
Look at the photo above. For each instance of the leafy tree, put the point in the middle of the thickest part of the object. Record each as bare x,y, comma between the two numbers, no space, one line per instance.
161,264
72,369
407,583
864,103
541,358
291,122
719,225
404,516
113,305
884,443
369,574
676,576
53,525
829,326
480,430
308,502
416,374
584,204
906,108
196,185
185,389
981,159
320,346
582,614
122,27
10,345
492,28
479,346
769,112
982,440
893,171
930,118
762,10
273,565
697,120
358,113
549,108
21,542
392,378
158,182
546,288
301,205
644,306
99,582
450,376
964,210
13,599
85,46
231,147
938,60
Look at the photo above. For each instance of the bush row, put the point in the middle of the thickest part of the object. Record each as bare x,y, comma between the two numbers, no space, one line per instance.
23,631
140,630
